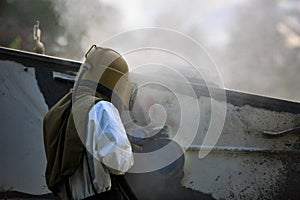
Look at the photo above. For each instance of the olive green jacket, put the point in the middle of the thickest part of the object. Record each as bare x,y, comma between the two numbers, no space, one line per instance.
63,146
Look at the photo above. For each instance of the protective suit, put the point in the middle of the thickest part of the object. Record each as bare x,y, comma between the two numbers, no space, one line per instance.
85,140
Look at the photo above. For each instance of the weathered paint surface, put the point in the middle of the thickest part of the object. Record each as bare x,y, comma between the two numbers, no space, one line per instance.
235,176
244,163
21,144
238,168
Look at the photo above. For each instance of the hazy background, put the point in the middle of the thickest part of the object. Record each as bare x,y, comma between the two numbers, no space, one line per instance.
255,43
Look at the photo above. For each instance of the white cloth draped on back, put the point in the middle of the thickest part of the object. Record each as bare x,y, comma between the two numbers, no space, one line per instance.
109,152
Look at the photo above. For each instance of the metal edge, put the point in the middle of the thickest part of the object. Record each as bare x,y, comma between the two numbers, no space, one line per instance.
235,98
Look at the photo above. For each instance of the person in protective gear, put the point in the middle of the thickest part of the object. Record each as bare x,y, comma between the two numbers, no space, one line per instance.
84,138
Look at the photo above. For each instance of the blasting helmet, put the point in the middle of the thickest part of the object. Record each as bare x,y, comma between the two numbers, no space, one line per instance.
108,68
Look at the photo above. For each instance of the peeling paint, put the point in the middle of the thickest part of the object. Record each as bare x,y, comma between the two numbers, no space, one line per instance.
228,176
233,174
244,164
22,108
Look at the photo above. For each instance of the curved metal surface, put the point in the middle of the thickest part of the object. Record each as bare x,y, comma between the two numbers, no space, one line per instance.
245,163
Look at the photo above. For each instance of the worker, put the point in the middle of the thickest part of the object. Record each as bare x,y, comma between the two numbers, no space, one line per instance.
85,141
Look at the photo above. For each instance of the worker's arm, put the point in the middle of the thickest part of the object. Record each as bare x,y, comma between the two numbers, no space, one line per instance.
107,138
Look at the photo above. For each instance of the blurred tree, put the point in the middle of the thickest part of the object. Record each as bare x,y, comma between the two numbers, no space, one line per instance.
17,19
16,44
68,27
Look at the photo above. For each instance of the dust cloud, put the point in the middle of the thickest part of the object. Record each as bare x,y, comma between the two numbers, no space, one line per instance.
255,44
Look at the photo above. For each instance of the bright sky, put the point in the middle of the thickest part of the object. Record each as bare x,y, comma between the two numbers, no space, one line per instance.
211,16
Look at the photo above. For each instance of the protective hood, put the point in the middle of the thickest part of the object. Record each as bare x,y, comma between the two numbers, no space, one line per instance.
109,69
